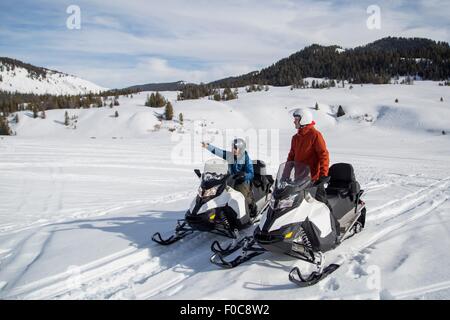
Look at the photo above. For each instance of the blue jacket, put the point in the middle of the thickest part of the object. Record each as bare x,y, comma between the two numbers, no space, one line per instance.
235,164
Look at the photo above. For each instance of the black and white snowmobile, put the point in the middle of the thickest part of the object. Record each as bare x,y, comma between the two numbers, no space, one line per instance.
218,208
297,224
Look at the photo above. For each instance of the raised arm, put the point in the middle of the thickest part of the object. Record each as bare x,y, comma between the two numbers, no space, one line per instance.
218,152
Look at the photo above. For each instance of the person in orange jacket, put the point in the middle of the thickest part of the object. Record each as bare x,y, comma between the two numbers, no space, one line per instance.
309,147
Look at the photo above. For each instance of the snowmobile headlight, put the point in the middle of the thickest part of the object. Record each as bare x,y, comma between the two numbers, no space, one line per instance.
209,192
212,216
284,203
287,203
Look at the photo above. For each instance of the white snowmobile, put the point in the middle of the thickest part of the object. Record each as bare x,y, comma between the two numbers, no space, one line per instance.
297,224
218,208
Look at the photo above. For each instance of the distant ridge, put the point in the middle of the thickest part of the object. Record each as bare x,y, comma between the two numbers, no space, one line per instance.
376,62
167,86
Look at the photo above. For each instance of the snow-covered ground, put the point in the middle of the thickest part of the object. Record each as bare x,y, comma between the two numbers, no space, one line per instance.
20,80
77,213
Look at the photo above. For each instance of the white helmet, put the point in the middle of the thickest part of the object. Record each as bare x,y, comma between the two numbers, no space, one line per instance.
304,115
239,144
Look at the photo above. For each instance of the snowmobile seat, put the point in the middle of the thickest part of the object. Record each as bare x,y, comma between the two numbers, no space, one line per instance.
342,181
259,168
261,181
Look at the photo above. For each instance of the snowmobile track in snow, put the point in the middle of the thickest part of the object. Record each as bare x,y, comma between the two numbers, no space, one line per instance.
435,196
147,273
108,275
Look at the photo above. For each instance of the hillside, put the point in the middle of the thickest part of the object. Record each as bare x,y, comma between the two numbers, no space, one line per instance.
376,62
17,76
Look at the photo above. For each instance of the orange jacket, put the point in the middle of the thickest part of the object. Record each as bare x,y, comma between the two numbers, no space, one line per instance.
308,146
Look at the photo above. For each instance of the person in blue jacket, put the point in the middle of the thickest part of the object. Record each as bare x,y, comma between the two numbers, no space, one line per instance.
241,167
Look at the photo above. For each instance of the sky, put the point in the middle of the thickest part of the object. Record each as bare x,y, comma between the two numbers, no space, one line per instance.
123,43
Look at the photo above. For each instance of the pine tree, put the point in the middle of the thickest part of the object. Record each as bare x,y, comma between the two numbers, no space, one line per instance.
66,119
442,99
35,113
43,115
396,100
168,112
116,114
155,101
228,94
317,106
216,95
160,100
340,112
180,118
16,118
4,127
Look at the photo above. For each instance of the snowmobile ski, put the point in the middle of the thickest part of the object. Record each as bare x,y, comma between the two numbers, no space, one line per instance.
248,252
232,247
296,276
181,231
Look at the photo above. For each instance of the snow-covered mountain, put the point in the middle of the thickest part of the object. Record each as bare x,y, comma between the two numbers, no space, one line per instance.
25,78
77,213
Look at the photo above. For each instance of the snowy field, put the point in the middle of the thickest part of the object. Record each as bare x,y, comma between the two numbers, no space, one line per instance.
78,206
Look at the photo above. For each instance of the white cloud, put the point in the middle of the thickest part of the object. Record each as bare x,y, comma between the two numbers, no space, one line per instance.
152,70
224,38
107,22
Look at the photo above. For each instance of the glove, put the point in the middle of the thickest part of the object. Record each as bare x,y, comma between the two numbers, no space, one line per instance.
239,177
322,180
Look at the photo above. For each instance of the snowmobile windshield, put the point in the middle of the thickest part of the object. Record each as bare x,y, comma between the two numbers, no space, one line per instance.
293,174
215,170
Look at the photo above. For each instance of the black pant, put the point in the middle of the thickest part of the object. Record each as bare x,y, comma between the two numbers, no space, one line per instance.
246,189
